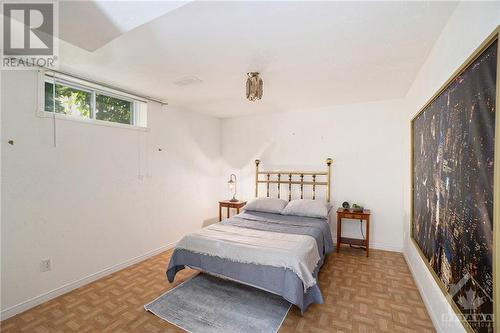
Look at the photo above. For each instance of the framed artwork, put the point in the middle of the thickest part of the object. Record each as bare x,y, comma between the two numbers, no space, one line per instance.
455,187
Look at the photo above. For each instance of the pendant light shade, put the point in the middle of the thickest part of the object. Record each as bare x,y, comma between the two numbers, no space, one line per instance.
254,86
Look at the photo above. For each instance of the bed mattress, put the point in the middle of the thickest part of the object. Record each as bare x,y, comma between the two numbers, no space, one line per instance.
279,280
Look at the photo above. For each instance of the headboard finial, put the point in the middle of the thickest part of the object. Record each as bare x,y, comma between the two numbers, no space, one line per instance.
329,161
257,162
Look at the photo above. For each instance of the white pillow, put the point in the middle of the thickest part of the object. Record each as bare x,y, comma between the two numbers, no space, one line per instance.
307,207
268,205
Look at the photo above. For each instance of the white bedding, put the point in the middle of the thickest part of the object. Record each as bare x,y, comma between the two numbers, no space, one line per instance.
298,253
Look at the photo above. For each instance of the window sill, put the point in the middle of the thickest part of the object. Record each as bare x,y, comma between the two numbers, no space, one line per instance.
44,114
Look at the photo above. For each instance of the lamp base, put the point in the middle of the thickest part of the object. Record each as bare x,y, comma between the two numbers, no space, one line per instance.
233,200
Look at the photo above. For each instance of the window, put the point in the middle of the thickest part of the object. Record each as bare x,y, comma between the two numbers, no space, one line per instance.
68,100
92,102
113,109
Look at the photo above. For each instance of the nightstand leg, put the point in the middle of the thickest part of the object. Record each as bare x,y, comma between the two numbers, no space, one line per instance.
237,210
228,211
367,235
220,213
339,231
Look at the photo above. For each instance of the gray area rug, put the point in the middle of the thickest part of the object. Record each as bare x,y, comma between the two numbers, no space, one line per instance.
209,304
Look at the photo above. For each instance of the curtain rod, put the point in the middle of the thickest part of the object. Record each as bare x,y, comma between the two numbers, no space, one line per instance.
149,98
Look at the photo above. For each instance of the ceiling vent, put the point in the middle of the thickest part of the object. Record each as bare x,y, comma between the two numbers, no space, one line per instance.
187,80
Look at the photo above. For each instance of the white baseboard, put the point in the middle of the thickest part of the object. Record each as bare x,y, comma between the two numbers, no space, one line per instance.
384,247
427,303
376,246
32,302
434,307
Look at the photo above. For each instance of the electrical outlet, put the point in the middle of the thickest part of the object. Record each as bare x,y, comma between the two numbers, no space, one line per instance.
45,265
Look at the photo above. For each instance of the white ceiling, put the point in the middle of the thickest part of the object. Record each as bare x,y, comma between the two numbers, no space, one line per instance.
310,54
109,19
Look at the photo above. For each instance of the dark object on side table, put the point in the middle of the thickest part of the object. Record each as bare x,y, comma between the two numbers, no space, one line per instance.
357,208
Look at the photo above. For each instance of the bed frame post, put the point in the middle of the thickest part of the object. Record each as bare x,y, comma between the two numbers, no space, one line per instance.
329,165
314,187
257,178
279,182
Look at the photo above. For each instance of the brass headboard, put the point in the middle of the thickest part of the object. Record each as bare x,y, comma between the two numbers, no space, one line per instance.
286,177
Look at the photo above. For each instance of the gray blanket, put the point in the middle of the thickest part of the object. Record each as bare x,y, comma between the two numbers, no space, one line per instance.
319,229
280,281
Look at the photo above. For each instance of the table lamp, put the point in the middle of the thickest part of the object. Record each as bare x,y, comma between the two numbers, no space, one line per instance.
232,186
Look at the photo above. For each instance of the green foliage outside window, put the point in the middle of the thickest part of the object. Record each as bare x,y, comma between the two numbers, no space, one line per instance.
113,109
72,101
68,100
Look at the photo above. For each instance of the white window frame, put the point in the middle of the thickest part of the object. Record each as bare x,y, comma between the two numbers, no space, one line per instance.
94,89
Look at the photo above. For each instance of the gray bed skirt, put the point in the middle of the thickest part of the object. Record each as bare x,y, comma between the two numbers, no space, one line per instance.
276,280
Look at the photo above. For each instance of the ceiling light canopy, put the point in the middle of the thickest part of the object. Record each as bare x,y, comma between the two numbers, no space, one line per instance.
254,86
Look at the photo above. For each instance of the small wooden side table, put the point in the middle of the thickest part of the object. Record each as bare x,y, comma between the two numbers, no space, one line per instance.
230,204
350,214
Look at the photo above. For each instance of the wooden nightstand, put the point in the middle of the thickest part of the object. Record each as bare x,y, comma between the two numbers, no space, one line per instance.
350,214
230,204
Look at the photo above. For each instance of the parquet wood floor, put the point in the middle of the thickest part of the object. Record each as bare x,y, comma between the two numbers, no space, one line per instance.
375,294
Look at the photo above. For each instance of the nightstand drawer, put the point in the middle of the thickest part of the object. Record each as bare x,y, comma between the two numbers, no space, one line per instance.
353,216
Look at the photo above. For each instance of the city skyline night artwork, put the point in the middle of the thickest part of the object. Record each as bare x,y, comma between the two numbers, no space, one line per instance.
452,175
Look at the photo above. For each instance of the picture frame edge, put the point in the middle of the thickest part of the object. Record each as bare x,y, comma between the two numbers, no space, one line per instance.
492,37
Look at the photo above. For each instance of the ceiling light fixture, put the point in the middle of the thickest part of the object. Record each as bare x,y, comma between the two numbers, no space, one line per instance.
254,86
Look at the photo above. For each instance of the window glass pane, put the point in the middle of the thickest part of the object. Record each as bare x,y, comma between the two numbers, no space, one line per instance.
69,100
49,91
75,99
113,109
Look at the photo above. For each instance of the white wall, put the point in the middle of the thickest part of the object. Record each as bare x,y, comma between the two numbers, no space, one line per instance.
467,28
102,197
364,140
100,184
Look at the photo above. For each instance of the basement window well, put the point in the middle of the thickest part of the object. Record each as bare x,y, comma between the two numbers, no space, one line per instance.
76,99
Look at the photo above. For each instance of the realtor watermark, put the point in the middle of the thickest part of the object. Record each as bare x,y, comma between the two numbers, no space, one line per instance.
28,32
472,296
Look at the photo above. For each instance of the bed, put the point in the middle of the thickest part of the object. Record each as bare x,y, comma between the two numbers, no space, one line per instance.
278,253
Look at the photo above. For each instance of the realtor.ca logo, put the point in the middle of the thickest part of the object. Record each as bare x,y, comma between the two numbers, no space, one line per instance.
28,35
470,297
